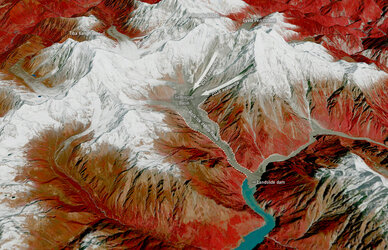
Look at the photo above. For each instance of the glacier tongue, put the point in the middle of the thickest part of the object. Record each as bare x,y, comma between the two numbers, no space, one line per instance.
186,43
122,72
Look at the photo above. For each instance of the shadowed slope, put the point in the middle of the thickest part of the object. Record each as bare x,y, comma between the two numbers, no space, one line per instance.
272,125
318,213
345,107
7,101
256,127
103,195
43,23
201,161
354,29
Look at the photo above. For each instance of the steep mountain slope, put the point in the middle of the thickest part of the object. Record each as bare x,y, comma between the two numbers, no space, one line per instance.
115,117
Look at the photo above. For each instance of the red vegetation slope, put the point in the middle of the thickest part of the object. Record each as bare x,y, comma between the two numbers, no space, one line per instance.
205,207
344,107
308,211
314,214
256,129
103,194
26,21
349,28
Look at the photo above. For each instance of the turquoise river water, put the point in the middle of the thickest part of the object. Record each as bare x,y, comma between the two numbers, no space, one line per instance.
252,239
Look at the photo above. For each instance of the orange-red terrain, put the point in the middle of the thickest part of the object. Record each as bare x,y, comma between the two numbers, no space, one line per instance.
102,194
105,195
310,213
99,196
350,29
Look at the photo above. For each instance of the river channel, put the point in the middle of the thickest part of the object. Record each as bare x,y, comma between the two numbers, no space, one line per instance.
188,106
197,119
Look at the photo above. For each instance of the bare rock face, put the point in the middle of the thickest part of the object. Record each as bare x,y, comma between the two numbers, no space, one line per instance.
133,124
